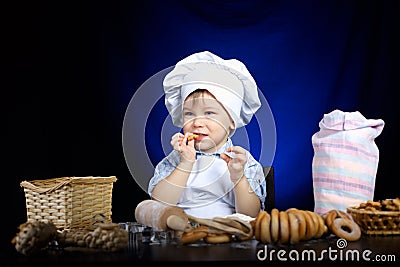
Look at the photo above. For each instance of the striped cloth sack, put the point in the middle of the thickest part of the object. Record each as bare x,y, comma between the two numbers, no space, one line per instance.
345,160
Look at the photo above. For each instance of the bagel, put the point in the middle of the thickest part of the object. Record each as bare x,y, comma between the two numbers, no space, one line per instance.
292,209
274,225
194,235
257,224
324,215
218,238
311,229
302,223
265,233
319,224
331,215
346,229
344,214
315,221
294,228
322,229
283,227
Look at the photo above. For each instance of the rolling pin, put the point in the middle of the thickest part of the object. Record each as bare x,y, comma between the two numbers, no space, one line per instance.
161,217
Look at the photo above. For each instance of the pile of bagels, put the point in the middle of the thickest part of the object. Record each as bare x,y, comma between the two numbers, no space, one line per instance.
294,225
289,226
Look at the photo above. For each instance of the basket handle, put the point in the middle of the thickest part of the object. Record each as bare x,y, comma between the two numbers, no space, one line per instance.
43,190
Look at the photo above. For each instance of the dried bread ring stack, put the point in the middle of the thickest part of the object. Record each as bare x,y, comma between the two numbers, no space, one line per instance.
288,227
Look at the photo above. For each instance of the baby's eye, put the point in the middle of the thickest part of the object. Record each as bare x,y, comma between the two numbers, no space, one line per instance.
187,114
208,113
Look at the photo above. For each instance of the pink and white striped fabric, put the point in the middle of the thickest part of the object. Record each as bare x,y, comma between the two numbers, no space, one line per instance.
345,160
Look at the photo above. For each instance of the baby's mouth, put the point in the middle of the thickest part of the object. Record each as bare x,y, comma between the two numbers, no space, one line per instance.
201,136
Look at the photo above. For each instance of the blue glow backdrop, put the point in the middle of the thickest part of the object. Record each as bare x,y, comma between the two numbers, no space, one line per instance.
308,58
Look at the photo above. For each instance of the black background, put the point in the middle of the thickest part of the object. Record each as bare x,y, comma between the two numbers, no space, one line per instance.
62,110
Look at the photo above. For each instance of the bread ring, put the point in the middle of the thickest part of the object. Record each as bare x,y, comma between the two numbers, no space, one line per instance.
302,223
194,235
274,225
265,233
283,227
218,238
319,224
332,214
324,215
294,228
311,229
322,229
315,221
259,218
292,209
346,229
342,214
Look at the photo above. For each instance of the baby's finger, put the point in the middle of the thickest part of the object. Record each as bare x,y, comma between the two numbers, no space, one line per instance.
177,135
175,138
188,139
191,143
185,138
236,150
225,157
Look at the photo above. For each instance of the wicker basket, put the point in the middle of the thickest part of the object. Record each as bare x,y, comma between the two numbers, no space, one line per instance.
376,222
69,202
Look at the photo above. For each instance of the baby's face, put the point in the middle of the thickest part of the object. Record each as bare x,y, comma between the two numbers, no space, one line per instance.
206,117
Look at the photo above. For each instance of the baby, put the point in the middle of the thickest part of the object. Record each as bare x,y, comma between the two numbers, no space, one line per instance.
206,174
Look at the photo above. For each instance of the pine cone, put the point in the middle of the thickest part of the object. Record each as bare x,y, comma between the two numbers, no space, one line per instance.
34,236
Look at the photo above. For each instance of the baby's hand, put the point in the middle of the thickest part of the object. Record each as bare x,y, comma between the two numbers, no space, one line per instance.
185,147
236,163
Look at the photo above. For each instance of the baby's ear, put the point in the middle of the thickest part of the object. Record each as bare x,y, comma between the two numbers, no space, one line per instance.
231,127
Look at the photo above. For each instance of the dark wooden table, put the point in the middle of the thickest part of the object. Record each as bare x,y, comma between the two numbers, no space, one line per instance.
328,251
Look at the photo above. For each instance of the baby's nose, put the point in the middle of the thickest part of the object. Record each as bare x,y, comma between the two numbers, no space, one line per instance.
198,121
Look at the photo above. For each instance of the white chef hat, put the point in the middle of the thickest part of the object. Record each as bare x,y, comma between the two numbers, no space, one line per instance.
228,81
